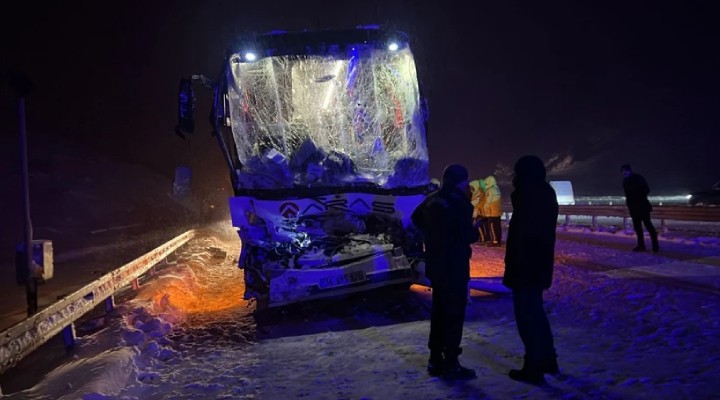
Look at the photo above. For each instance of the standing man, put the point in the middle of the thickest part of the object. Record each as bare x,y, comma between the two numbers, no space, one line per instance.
636,197
493,211
478,202
445,218
529,266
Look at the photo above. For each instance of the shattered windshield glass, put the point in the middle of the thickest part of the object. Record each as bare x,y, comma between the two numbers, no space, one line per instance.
328,120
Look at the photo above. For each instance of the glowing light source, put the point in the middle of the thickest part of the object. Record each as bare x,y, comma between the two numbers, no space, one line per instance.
393,46
250,56
331,88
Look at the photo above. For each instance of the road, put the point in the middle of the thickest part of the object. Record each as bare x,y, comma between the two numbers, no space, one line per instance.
626,324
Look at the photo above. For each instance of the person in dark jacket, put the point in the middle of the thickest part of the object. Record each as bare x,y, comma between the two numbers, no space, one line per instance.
636,197
529,256
445,219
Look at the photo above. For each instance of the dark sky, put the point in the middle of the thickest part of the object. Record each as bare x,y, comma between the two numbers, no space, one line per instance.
586,87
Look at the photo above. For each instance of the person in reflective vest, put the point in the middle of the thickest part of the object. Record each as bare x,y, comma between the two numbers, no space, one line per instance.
478,202
492,211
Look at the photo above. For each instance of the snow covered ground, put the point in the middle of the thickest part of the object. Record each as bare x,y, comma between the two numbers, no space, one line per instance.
627,326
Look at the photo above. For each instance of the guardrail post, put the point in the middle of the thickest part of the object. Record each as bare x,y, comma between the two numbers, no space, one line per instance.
109,304
23,338
135,284
168,261
625,223
68,333
567,220
663,226
593,226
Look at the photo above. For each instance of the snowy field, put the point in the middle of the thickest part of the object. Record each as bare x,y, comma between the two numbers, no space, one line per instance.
627,326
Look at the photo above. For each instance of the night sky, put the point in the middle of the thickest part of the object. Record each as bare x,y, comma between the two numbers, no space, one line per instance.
587,87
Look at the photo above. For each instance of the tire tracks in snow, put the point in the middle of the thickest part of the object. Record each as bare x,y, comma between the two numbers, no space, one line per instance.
673,282
676,282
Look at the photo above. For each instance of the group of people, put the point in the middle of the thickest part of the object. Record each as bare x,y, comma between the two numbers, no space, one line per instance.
487,209
446,219
459,214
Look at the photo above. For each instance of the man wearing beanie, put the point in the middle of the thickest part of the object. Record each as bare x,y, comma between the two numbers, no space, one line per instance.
529,258
445,218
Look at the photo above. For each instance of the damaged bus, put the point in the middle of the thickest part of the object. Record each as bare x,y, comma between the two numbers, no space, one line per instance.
324,134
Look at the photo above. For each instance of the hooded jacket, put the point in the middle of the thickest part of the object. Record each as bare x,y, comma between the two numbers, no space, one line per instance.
530,244
493,199
478,197
445,218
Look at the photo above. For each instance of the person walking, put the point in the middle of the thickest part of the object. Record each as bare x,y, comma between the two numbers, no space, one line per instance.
529,260
492,211
445,219
636,197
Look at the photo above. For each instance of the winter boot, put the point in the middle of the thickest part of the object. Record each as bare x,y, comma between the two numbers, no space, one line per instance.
435,364
639,249
455,371
528,375
551,367
655,245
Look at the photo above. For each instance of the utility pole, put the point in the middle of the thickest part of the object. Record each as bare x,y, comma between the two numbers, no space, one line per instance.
22,88
31,284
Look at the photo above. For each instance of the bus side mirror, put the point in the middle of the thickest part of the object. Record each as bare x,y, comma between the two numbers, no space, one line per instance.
186,108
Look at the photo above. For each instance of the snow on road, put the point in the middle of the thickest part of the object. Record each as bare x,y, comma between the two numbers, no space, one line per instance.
627,326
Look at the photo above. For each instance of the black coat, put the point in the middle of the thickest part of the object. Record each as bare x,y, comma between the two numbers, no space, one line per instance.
445,218
636,194
530,244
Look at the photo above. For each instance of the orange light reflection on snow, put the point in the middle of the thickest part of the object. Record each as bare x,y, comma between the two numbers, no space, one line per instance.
202,301
486,263
205,285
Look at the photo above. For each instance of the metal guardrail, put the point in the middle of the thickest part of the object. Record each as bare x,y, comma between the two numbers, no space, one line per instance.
674,213
22,338
663,213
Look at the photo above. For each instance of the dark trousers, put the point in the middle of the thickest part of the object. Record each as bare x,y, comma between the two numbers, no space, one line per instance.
447,318
494,229
638,219
483,228
533,327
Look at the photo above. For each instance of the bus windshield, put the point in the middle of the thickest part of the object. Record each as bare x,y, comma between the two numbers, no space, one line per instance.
328,120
